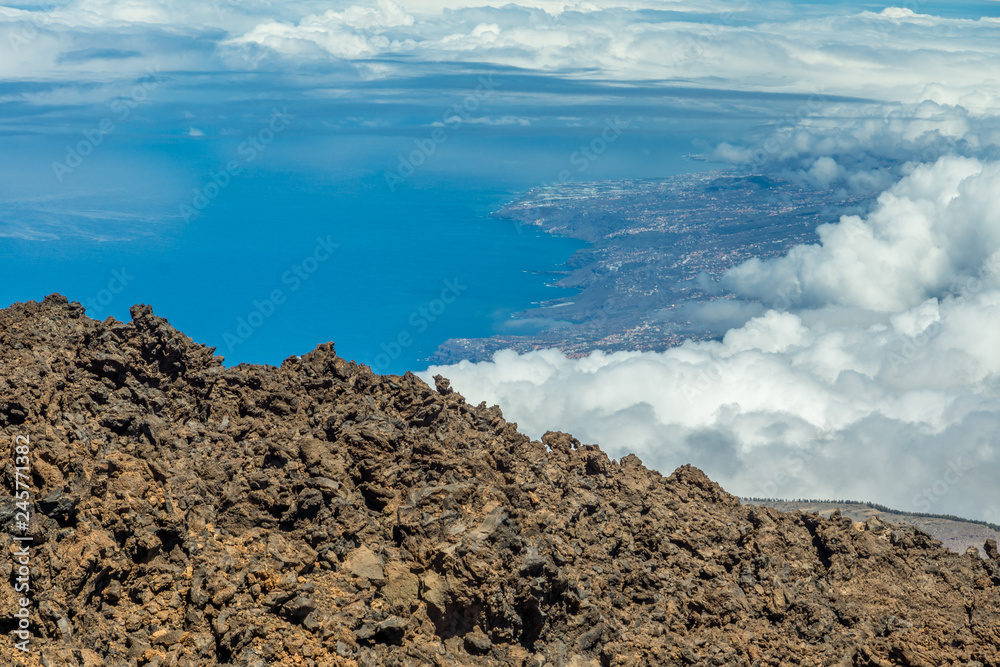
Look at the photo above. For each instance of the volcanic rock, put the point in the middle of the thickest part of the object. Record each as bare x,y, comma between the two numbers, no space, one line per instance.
188,514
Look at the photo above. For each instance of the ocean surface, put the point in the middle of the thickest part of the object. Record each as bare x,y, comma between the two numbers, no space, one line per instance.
277,268
309,239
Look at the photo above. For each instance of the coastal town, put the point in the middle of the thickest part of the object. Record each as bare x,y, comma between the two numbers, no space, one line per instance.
655,248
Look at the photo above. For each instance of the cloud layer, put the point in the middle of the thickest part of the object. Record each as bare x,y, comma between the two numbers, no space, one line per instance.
874,375
895,54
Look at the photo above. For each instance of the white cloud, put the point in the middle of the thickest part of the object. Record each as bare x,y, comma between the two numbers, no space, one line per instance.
882,374
354,33
894,55
824,172
863,147
926,233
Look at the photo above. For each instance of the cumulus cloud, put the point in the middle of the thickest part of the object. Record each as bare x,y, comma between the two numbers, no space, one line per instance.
865,147
925,234
877,379
357,32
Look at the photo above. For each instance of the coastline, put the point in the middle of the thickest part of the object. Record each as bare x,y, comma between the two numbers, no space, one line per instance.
655,248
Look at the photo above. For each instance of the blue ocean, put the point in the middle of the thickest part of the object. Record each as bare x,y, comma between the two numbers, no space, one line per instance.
287,223
278,264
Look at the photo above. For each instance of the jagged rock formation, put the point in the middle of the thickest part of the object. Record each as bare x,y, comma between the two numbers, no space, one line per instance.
318,514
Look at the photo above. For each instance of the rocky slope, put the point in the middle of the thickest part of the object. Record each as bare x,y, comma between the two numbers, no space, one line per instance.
317,514
955,534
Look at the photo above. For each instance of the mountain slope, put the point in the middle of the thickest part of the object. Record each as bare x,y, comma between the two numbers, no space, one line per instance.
318,514
954,533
